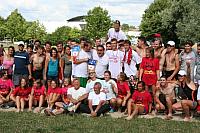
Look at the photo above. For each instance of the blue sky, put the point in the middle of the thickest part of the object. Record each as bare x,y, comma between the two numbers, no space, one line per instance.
54,13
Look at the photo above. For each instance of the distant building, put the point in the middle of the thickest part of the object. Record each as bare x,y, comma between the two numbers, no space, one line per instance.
77,22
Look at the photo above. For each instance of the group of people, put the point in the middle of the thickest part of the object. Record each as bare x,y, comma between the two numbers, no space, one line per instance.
82,77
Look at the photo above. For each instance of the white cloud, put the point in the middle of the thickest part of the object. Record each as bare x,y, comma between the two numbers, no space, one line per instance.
54,13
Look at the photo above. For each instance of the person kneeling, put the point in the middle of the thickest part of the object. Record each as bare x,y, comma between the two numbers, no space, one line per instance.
140,103
165,96
96,102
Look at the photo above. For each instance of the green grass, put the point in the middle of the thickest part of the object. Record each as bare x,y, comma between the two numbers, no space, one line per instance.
29,122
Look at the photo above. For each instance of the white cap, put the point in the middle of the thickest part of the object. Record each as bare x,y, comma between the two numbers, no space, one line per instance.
171,43
182,72
20,43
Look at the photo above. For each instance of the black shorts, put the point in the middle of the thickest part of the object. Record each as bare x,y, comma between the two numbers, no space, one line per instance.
167,74
38,74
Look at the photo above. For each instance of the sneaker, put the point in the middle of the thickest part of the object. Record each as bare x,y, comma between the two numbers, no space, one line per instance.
111,111
5,106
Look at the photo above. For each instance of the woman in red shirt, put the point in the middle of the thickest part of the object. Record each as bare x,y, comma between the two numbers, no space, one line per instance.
140,102
37,95
123,91
20,95
149,70
53,95
6,87
62,106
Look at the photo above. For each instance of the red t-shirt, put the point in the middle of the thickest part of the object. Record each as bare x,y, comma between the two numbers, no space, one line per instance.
150,67
56,90
23,93
143,98
38,91
5,86
123,88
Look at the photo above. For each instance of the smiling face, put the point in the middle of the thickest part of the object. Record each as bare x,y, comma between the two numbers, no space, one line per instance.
116,27
114,45
108,46
23,83
100,51
68,51
163,81
59,47
126,46
97,88
188,48
10,51
156,44
53,84
140,87
76,84
107,76
54,53
21,47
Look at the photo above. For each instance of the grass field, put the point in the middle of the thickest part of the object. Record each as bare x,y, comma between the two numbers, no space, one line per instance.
29,122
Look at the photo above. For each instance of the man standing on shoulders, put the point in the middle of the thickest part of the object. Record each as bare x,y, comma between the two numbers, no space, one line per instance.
116,32
22,67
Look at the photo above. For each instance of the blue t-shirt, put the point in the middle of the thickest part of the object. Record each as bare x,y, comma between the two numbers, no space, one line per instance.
21,61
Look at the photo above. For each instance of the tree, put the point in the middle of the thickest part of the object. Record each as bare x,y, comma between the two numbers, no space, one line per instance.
15,26
177,20
98,23
2,28
125,27
152,20
62,34
34,31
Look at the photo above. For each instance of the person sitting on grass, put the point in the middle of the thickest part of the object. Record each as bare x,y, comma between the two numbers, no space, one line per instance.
96,102
6,87
53,95
20,95
140,103
62,106
123,91
76,95
165,96
110,88
37,95
187,98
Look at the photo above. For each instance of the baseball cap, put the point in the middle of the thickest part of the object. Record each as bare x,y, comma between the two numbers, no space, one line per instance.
20,43
171,43
182,73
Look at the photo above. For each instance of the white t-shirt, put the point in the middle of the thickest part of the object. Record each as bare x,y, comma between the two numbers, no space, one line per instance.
115,62
117,35
107,86
102,64
96,98
90,85
81,70
131,69
76,93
